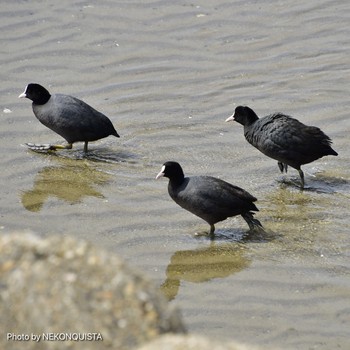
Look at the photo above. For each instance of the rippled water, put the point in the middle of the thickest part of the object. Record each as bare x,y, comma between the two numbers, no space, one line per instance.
168,74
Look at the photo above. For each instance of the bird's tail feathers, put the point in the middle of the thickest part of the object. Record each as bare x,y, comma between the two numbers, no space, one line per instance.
254,224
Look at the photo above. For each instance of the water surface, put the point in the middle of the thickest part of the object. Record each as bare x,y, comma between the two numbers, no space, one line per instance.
168,74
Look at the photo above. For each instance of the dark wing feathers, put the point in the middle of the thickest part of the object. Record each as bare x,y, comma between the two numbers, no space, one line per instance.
212,199
288,140
217,189
73,119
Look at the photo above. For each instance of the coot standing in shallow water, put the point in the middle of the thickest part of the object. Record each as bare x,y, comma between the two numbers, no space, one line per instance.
284,138
68,116
210,198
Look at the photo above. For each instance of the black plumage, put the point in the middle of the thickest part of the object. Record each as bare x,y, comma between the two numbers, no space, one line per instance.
210,198
68,116
284,138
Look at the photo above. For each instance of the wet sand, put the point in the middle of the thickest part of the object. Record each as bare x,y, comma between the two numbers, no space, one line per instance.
168,75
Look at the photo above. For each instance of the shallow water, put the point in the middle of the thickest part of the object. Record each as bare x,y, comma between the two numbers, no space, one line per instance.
168,74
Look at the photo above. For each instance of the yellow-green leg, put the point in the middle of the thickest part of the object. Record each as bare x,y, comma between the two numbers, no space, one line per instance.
205,233
301,178
211,233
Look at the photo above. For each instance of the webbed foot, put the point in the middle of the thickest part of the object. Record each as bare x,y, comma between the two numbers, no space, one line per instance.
40,147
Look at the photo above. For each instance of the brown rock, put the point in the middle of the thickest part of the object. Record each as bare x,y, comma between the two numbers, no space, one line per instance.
75,296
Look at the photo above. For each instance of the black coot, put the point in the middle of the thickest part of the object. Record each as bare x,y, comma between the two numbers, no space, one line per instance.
284,138
210,198
68,116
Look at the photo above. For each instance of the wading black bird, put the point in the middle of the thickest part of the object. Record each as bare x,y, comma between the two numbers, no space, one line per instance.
284,138
68,116
210,198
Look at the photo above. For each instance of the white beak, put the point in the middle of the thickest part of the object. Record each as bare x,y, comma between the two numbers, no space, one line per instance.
23,94
161,173
229,119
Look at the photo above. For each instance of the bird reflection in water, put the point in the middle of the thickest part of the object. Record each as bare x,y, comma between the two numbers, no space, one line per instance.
204,264
70,182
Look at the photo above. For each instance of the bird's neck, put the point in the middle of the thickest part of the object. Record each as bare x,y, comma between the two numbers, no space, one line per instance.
251,120
176,181
41,100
